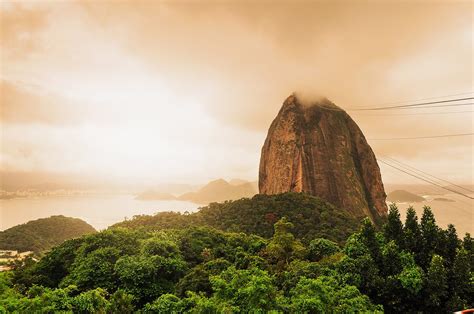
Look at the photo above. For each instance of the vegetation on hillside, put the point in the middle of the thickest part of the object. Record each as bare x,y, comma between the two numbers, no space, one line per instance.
312,217
42,234
404,267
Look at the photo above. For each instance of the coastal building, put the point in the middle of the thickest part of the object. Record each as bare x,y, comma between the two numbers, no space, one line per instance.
9,256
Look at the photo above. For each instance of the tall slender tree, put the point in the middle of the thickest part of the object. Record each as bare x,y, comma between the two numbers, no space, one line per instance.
468,245
430,236
369,237
452,244
412,233
393,229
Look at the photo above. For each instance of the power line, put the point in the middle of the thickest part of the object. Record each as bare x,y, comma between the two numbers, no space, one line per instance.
413,105
425,173
436,106
424,179
437,187
428,98
416,113
436,190
419,137
401,108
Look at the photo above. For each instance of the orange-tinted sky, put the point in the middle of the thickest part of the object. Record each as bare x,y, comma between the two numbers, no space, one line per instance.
185,92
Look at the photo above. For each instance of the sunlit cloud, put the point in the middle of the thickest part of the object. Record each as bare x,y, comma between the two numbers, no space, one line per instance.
186,92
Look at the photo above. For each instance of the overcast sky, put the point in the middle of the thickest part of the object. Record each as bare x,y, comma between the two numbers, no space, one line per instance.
144,91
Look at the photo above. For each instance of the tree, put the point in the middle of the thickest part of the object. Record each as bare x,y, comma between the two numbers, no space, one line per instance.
468,245
452,244
461,284
368,236
288,279
411,276
359,269
160,246
435,284
52,268
198,279
326,295
393,229
245,289
320,247
94,270
283,246
392,263
148,277
430,236
121,302
166,303
92,301
411,233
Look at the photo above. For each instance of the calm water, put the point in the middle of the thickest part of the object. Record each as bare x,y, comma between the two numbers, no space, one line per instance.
100,211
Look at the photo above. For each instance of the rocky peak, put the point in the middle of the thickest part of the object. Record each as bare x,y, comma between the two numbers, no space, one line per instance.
316,147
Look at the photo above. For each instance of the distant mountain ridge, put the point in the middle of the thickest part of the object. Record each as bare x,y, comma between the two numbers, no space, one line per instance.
218,191
215,191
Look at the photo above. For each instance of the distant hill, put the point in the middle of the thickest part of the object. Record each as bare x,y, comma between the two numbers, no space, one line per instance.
42,234
241,181
311,216
404,197
218,191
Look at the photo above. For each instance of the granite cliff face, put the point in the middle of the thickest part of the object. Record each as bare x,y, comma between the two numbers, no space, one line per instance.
320,150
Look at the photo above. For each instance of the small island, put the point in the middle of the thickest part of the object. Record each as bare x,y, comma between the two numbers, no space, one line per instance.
443,199
402,196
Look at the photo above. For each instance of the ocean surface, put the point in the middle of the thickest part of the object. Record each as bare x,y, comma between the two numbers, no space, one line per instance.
100,211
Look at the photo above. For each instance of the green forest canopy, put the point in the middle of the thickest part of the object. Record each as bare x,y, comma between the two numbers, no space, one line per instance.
401,267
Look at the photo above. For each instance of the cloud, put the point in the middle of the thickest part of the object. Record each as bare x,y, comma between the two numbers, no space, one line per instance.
26,104
182,73
252,56
21,25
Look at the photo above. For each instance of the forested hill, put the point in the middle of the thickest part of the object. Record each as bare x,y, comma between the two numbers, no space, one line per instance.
42,234
312,217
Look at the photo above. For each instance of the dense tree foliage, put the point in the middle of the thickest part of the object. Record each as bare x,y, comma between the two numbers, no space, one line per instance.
204,270
42,234
312,217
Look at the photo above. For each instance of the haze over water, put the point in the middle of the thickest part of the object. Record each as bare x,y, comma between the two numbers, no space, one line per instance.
100,211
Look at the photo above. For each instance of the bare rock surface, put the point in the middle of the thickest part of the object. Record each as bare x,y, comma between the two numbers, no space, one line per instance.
318,149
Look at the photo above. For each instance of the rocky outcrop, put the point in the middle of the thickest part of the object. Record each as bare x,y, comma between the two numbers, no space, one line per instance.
318,149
